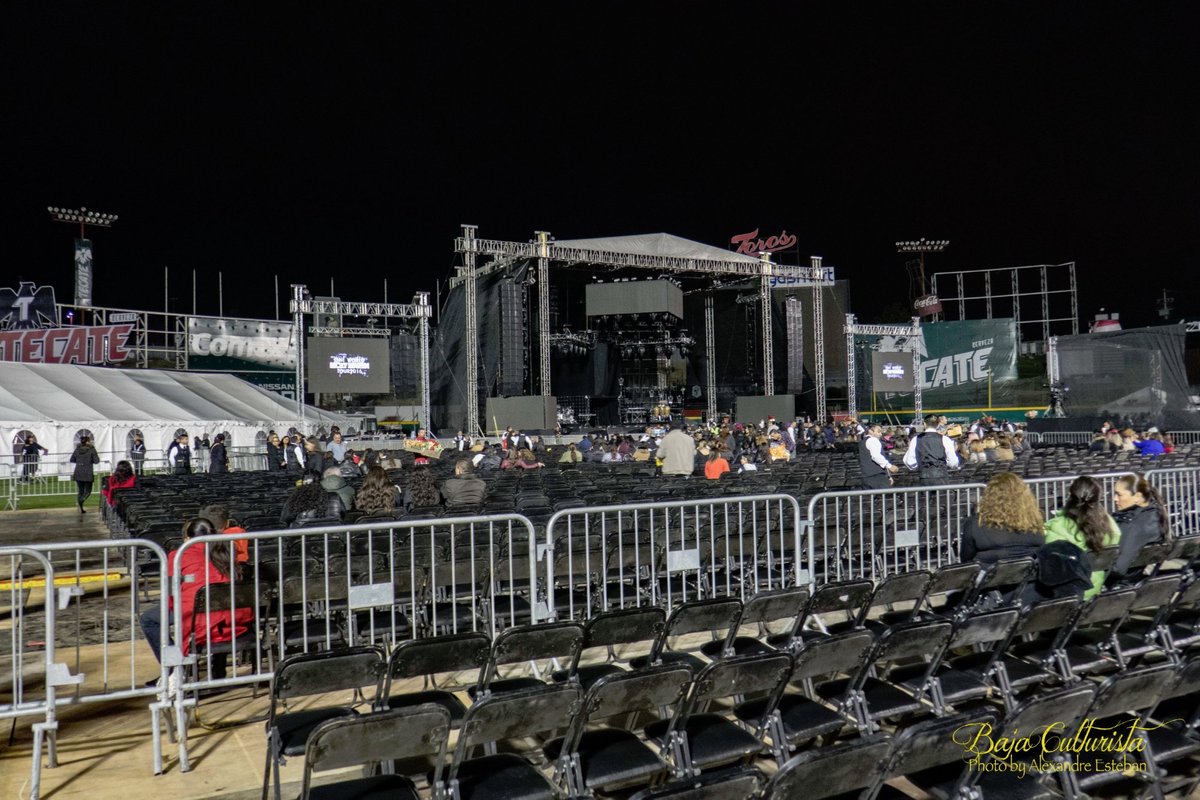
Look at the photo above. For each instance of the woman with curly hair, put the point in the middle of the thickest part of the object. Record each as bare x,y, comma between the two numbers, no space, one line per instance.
309,500
1084,522
1006,524
377,493
421,490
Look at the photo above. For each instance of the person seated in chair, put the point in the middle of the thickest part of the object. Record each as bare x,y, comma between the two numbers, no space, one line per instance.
464,489
1006,524
333,481
310,501
377,494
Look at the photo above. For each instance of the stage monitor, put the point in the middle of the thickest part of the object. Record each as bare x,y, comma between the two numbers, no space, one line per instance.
891,372
634,297
338,365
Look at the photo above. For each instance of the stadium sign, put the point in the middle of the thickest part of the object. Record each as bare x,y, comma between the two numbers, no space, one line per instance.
240,345
94,344
28,306
748,244
927,305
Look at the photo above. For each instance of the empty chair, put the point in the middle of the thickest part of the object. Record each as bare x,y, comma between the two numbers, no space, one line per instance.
527,643
698,739
509,715
930,745
717,785
612,629
774,605
902,587
801,715
371,739
591,759
830,604
1087,644
428,658
870,693
839,771
1173,729
312,674
715,616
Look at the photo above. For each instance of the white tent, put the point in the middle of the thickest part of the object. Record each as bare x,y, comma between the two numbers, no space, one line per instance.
56,401
658,244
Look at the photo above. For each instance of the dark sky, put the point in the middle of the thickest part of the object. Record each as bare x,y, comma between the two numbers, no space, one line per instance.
350,140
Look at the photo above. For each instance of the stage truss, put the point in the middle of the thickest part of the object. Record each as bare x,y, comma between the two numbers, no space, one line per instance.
544,250
912,344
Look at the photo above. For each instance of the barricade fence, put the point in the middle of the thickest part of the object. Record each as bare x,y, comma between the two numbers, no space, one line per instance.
875,533
1064,437
1185,437
601,558
1051,493
29,669
1180,489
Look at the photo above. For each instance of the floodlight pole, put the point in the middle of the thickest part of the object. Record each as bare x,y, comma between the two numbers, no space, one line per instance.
83,218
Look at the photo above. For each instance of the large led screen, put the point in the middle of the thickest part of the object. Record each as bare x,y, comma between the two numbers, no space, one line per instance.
891,372
348,366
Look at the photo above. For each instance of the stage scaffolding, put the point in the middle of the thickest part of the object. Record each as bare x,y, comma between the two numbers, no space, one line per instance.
912,343
544,250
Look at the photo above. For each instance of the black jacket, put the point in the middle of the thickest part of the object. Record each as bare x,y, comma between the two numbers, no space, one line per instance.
275,457
332,509
989,545
84,458
218,459
1140,526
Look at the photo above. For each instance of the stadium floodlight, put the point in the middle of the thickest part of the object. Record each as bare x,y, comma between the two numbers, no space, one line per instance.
921,247
83,217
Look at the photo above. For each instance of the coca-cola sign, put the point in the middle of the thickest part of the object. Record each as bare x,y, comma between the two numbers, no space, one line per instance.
750,244
927,305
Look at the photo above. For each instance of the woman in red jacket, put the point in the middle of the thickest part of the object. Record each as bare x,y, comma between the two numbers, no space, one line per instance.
209,568
121,478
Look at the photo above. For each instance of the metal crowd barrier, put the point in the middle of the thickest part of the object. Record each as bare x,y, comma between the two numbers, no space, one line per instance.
1180,488
1063,437
664,553
318,588
28,694
873,534
1185,437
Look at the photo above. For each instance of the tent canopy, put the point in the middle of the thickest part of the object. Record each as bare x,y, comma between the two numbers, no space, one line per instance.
57,400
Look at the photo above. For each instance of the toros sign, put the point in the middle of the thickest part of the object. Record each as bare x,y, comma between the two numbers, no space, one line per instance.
749,244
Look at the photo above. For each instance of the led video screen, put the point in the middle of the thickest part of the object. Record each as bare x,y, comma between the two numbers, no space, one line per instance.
348,366
891,372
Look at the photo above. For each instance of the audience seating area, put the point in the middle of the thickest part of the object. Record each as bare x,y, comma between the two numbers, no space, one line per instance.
851,690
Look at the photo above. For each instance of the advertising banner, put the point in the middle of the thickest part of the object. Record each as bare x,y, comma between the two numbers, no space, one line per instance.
83,272
240,345
28,306
93,344
281,383
963,364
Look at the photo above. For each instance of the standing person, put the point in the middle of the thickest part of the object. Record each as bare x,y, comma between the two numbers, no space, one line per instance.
31,454
179,455
462,442
85,458
1084,523
1142,517
202,447
294,455
137,454
337,447
314,459
218,458
931,454
877,471
677,451
276,460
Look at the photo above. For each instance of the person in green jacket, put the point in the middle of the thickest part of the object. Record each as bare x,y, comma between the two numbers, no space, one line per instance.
1085,523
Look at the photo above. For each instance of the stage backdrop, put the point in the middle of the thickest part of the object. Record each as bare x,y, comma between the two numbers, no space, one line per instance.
959,362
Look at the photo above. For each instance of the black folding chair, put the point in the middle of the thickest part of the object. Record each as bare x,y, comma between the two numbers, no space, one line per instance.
428,658
717,785
509,715
313,674
373,739
764,608
715,616
609,758
838,771
612,629
552,641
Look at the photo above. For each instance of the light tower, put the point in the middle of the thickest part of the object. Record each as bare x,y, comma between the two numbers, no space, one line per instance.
922,246
83,246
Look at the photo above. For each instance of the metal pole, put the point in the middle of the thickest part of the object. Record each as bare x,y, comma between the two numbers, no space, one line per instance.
916,354
276,297
851,368
424,309
471,342
298,291
193,292
385,292
220,294
543,281
819,336
710,356
768,349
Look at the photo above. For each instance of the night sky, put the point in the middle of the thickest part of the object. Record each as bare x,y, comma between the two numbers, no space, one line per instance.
351,140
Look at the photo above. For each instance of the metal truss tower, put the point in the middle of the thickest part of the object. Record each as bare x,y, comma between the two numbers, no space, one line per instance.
912,344
710,354
819,336
543,283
